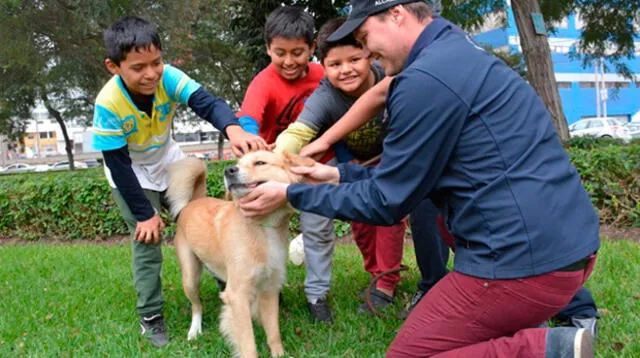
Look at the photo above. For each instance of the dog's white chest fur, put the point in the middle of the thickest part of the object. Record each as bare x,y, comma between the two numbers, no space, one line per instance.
273,274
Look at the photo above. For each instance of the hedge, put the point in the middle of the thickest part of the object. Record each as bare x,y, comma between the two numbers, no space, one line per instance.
78,205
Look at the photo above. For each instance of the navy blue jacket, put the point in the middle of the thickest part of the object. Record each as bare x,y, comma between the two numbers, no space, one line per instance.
467,131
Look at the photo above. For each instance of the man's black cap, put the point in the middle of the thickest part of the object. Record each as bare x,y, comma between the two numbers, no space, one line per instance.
360,10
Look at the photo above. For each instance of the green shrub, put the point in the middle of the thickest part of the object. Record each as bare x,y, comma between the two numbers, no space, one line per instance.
78,205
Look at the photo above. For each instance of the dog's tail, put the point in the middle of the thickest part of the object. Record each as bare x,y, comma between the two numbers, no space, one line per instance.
187,181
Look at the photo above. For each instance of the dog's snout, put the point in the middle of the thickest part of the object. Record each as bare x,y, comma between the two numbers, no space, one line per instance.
231,170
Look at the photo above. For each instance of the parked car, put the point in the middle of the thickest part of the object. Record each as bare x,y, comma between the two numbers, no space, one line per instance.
64,165
634,129
600,128
92,163
18,168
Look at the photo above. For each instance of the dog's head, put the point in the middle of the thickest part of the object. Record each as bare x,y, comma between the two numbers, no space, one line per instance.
258,167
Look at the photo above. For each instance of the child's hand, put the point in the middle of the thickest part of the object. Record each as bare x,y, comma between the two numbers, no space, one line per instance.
149,231
243,142
315,149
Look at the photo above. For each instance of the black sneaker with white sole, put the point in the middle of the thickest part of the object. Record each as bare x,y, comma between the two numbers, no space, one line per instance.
320,311
569,342
153,328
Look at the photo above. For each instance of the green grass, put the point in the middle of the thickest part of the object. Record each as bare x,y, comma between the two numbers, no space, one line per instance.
77,300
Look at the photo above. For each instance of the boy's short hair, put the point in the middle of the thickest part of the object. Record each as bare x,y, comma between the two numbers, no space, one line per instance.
127,34
324,45
289,22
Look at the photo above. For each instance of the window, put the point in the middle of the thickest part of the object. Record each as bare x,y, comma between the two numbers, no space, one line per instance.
595,124
578,126
564,84
617,84
587,85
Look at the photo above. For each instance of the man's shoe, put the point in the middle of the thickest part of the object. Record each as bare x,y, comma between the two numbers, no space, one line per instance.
153,328
569,342
588,323
320,311
379,300
413,303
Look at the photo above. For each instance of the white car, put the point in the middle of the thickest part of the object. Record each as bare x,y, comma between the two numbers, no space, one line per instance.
600,128
634,129
18,168
64,165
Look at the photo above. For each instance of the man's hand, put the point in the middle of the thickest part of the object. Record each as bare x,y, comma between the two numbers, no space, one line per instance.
243,142
318,174
264,199
315,149
149,231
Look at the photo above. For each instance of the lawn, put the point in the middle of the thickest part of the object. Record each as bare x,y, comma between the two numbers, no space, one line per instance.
77,300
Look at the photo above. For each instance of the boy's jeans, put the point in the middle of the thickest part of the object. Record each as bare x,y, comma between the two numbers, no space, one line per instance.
147,258
319,241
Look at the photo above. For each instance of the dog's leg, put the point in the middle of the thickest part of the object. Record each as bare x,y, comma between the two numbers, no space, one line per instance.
268,314
191,268
235,322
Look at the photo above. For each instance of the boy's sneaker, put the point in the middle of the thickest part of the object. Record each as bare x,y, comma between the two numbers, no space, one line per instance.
567,342
379,300
153,328
414,302
320,311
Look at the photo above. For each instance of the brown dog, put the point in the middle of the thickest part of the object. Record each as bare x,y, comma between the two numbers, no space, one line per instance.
249,254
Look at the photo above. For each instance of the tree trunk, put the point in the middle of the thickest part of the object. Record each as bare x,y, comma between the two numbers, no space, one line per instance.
67,142
539,64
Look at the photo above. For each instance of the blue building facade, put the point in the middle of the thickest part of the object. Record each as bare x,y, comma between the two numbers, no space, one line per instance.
576,84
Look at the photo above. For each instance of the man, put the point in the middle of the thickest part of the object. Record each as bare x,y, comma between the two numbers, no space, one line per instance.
468,132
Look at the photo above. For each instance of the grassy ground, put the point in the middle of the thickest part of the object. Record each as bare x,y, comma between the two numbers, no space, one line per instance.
77,300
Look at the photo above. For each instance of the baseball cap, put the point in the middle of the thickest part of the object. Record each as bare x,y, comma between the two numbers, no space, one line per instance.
360,10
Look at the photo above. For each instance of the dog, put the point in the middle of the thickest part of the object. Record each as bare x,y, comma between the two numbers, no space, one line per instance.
249,254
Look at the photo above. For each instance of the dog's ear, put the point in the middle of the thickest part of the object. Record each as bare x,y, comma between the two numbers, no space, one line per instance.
294,160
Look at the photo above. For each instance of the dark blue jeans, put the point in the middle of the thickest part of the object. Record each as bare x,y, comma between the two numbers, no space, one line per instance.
432,255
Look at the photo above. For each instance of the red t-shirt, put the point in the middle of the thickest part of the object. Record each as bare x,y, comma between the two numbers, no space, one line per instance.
275,102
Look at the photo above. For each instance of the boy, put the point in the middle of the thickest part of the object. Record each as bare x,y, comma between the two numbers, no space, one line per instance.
349,74
273,100
131,126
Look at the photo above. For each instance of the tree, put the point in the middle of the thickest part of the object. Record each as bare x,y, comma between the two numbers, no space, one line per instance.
539,64
52,52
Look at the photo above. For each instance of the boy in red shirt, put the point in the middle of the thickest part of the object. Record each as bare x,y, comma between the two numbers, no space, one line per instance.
273,100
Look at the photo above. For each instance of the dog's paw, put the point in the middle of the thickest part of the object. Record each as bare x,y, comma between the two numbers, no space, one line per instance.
196,327
194,333
277,352
296,251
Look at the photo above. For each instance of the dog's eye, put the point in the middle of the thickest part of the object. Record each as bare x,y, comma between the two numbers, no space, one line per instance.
259,162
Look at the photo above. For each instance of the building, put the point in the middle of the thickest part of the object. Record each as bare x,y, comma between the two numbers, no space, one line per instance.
577,85
43,136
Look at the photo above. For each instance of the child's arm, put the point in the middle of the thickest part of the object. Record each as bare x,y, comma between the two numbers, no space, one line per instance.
253,105
364,109
217,112
296,136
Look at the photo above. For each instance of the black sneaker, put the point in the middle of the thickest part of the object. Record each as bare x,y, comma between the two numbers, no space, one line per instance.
320,311
568,342
379,300
153,328
586,322
413,303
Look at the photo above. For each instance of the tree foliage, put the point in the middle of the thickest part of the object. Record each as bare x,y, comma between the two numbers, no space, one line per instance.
51,50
